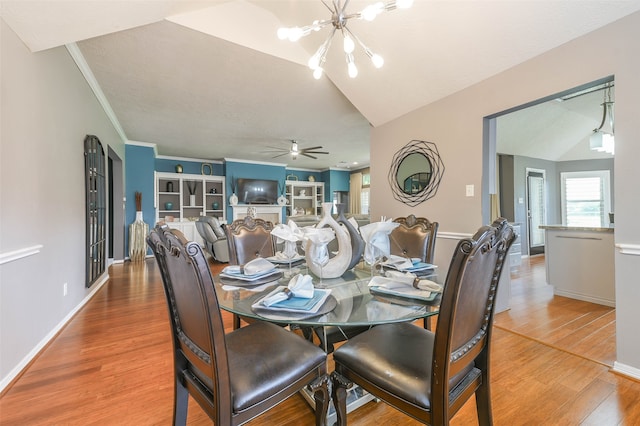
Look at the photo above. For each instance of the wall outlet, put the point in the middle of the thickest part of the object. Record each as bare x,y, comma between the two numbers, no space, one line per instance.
470,190
64,289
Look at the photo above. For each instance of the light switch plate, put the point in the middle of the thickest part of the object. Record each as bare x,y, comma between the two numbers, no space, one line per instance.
470,190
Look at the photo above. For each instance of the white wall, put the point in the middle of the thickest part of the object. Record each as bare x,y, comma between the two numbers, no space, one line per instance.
455,125
47,110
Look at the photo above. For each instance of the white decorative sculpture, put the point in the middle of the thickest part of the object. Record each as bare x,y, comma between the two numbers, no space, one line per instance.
337,265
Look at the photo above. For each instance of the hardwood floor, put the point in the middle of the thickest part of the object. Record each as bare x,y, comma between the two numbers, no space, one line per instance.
581,328
111,365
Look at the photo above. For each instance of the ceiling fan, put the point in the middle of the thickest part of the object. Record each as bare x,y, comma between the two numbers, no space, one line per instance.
294,151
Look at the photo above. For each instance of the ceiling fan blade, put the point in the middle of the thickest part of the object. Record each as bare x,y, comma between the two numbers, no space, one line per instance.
312,148
306,154
280,155
315,152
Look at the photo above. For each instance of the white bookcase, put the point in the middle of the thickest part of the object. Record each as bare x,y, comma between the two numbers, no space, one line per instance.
182,198
305,197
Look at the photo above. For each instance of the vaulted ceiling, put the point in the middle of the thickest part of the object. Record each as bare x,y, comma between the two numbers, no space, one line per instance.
209,79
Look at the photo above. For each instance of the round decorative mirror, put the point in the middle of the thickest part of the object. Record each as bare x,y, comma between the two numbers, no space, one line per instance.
415,172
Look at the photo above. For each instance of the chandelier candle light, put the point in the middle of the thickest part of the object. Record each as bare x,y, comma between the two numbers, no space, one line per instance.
339,20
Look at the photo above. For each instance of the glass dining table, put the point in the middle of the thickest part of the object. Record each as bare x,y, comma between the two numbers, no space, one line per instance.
352,302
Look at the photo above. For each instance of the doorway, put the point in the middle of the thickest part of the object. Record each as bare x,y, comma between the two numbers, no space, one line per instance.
536,209
116,207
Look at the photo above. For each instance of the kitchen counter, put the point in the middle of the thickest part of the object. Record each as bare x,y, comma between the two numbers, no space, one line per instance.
580,262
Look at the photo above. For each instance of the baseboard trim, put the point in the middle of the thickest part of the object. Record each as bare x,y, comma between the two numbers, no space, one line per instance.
18,369
626,370
584,297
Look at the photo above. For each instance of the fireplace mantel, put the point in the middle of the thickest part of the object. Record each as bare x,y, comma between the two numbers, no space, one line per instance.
270,212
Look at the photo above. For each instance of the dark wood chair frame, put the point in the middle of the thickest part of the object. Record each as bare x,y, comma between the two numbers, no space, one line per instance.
454,364
205,357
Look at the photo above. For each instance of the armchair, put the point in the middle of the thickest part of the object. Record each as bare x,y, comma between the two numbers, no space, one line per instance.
215,240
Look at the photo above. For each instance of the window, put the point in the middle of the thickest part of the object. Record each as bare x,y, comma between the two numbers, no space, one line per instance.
585,198
364,201
366,180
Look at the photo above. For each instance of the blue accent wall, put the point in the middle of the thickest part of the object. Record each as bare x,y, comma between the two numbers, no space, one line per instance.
139,169
304,175
191,167
237,170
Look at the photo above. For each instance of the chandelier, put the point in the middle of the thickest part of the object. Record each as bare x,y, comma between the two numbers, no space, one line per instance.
339,20
601,140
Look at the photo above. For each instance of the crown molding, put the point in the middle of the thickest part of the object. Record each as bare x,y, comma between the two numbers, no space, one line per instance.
265,163
195,160
78,58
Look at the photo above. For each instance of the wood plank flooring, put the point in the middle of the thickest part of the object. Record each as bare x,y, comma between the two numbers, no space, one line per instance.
111,365
581,328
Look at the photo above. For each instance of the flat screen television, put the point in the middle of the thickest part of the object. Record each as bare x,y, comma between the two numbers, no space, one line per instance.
257,191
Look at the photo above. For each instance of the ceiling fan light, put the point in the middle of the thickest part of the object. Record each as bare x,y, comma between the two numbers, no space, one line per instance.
317,73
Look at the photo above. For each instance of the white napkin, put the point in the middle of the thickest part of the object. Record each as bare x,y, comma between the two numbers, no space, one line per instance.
398,262
319,237
253,267
399,280
299,286
376,238
288,232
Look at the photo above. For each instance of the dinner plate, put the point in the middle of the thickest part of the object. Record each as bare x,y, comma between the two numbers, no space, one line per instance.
296,304
280,315
417,267
243,281
281,261
409,293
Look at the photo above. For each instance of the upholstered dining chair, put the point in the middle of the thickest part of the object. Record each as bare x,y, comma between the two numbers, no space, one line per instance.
430,375
249,238
415,237
237,376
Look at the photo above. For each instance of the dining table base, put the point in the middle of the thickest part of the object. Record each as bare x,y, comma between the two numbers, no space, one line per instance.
356,397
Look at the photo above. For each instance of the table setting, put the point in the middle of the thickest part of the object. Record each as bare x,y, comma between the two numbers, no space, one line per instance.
256,272
405,285
288,235
405,264
299,299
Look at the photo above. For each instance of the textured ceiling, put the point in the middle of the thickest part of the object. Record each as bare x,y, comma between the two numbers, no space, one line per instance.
209,79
